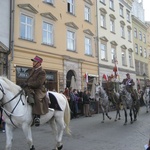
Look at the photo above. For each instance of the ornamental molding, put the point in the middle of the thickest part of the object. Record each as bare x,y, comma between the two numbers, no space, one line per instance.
88,31
49,16
72,25
28,7
89,2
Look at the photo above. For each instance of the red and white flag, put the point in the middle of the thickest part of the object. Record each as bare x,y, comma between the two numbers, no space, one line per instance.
105,77
86,77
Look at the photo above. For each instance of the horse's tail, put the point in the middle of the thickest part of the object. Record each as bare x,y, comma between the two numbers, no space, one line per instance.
67,117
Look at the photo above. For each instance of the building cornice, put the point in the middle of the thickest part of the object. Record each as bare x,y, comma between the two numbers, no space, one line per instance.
3,48
135,19
89,2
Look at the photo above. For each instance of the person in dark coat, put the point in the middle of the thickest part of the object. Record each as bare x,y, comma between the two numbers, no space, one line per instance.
86,104
129,83
36,91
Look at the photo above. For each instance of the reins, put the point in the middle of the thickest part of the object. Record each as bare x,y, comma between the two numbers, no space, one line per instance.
10,114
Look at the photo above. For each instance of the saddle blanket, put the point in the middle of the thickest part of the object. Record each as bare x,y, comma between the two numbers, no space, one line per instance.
53,101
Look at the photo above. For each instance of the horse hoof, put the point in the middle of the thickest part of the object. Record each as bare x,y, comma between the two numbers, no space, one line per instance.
131,122
110,118
119,118
102,122
60,147
32,148
125,123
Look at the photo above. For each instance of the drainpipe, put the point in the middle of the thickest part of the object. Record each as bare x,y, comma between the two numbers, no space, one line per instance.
97,38
11,37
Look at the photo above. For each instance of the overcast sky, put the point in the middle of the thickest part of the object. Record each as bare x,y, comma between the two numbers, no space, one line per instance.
146,6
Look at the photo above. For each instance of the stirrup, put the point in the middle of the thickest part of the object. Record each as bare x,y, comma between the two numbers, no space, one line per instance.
37,122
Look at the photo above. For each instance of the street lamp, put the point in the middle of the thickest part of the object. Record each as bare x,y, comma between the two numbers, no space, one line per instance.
144,75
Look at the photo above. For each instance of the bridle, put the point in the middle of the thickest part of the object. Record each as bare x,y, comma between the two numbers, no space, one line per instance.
8,113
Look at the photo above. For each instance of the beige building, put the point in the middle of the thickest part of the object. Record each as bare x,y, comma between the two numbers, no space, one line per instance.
62,33
115,39
140,50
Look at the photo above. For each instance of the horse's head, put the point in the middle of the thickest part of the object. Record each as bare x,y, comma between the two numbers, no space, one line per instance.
99,91
7,89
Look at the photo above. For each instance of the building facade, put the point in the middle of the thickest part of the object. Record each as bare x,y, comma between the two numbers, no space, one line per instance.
115,39
5,28
63,34
140,43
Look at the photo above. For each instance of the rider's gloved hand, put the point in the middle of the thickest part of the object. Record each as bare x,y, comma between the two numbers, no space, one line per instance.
23,85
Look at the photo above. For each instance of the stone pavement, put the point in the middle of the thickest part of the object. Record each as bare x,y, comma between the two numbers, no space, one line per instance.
88,133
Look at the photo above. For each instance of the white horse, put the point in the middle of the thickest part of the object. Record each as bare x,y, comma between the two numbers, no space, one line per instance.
102,97
128,102
18,114
146,98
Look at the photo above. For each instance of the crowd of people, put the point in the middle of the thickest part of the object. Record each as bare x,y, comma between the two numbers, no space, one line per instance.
78,99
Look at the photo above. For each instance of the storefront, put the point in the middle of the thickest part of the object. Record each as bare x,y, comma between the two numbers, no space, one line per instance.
22,73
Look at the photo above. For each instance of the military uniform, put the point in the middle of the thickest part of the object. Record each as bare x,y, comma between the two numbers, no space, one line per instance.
110,92
36,87
129,87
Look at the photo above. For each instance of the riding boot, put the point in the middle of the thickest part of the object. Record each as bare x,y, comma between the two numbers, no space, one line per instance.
37,120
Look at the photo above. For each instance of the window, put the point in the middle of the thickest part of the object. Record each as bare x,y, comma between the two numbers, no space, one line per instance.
140,35
111,4
48,33
121,10
113,55
103,52
49,1
70,6
87,13
135,32
123,58
71,40
103,21
129,35
26,27
88,46
122,31
112,25
130,59
145,53
141,51
136,48
128,15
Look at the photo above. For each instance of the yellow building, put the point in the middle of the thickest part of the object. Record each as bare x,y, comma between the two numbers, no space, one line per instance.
62,32
140,50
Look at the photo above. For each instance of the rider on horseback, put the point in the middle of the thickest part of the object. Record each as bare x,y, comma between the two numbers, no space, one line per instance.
129,83
110,90
34,88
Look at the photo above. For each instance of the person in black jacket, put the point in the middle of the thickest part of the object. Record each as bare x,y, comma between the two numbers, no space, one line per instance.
86,104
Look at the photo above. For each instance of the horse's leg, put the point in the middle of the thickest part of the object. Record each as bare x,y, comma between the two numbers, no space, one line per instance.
28,134
125,114
117,113
9,136
106,110
60,122
103,113
55,130
131,119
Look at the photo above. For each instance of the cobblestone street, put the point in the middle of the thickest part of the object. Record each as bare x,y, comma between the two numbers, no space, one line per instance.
91,134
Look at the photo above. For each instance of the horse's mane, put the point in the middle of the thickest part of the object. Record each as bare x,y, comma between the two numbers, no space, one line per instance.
12,87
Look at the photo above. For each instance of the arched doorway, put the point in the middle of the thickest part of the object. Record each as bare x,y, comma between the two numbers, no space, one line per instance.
70,73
